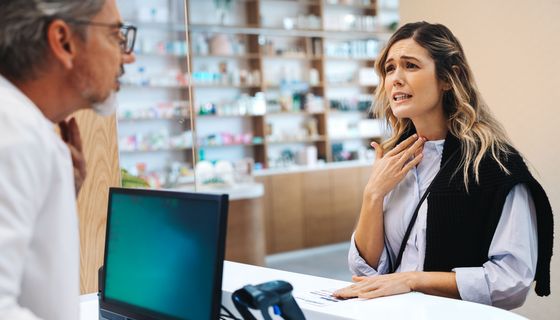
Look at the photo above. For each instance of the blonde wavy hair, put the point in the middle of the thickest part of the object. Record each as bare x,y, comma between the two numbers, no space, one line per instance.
468,116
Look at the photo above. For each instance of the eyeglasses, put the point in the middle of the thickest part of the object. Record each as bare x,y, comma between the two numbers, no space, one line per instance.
127,32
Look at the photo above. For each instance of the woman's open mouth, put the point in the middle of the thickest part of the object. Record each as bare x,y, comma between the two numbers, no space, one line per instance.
399,97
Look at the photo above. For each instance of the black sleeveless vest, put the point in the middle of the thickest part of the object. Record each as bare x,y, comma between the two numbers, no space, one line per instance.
461,224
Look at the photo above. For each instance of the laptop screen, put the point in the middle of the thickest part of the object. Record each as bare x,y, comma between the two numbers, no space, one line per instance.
164,253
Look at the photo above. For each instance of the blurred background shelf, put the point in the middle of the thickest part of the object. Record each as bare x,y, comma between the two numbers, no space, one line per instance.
251,68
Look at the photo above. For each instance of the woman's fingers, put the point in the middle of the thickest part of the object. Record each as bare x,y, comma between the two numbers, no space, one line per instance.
344,293
388,166
407,167
358,278
409,153
372,294
368,286
352,290
403,145
376,286
378,150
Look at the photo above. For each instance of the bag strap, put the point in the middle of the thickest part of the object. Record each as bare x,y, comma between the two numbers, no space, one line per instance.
394,267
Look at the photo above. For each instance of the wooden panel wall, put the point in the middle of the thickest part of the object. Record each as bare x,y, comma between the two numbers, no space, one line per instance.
287,212
317,208
245,241
99,138
267,207
346,196
312,208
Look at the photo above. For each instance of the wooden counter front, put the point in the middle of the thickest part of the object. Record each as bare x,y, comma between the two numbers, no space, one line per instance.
245,240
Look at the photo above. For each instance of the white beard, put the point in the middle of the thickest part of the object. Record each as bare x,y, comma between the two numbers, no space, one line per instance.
106,107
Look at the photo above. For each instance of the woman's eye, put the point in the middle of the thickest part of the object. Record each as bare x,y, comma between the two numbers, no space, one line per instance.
389,68
411,65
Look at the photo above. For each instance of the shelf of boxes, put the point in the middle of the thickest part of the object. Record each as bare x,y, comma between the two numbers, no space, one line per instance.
264,68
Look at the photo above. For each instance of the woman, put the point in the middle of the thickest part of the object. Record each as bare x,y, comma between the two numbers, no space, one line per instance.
476,233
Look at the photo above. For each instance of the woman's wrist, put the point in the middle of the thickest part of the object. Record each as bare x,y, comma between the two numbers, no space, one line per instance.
373,197
435,283
413,280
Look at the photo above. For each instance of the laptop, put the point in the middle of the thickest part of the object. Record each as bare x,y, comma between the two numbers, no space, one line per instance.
164,255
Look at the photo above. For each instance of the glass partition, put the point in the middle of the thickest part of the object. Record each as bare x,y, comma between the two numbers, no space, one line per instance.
245,86
155,123
266,100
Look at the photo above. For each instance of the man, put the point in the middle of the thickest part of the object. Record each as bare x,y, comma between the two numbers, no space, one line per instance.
56,57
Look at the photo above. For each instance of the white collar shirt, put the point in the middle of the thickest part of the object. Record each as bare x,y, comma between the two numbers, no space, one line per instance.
39,242
503,281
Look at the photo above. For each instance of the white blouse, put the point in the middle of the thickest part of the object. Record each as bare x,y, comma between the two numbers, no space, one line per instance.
503,281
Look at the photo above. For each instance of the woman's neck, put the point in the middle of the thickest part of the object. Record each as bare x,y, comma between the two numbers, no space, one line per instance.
431,130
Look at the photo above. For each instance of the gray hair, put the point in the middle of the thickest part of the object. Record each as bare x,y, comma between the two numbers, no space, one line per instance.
23,27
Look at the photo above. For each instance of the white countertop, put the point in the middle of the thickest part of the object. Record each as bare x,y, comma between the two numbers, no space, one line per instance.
405,306
239,191
324,166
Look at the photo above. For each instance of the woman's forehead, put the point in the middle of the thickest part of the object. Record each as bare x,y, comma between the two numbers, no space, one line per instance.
406,48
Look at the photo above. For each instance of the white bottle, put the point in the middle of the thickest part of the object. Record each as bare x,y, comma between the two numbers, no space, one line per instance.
313,77
259,104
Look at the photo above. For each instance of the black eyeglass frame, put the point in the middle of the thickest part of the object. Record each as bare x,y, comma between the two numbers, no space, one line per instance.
125,29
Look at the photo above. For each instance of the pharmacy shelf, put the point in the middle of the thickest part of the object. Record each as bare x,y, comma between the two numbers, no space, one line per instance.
154,150
214,116
310,33
174,118
293,113
333,58
154,86
277,85
222,86
226,56
291,57
349,84
256,30
291,141
299,2
351,6
140,54
354,138
205,146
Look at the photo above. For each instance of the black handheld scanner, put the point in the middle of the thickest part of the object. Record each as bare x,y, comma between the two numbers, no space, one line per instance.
276,294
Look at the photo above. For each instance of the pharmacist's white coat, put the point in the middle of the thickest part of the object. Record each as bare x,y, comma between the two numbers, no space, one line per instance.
39,243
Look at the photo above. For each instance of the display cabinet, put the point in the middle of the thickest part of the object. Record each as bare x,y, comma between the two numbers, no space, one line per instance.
299,73
281,82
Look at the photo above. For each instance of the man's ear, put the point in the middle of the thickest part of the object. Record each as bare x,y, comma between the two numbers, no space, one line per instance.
62,43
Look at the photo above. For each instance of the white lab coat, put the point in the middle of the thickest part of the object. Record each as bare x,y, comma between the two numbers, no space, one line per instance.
39,242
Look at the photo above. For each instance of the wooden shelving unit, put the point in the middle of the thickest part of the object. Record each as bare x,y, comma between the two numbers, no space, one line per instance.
155,86
157,150
211,86
255,31
256,55
244,56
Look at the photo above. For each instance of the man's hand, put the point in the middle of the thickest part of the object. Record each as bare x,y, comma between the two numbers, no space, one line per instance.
71,135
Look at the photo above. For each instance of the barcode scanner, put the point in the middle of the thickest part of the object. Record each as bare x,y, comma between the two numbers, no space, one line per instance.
276,294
